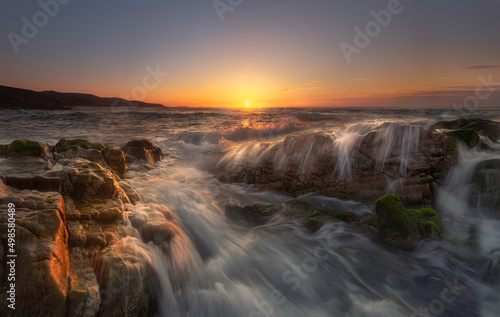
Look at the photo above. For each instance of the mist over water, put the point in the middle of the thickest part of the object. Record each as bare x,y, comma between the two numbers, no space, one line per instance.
214,267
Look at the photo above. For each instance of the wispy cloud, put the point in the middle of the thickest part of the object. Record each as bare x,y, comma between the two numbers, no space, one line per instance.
313,82
481,67
285,88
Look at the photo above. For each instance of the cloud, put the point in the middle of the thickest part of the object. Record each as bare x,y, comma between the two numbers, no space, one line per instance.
318,87
286,88
312,82
481,67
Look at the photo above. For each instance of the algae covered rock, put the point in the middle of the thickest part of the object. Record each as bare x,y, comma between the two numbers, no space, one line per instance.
468,136
395,223
401,227
27,148
489,128
66,145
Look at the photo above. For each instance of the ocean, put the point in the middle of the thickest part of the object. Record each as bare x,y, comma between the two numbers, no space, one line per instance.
218,268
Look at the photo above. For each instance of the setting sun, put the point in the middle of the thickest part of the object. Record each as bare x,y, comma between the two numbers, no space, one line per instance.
247,104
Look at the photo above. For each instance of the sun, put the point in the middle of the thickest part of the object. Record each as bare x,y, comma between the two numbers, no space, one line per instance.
247,104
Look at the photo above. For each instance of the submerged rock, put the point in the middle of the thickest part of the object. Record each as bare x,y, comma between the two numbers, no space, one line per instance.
308,213
400,227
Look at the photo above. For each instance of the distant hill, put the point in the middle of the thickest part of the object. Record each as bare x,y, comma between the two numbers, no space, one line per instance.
17,98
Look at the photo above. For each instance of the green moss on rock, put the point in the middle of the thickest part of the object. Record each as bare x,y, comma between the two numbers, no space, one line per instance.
345,216
468,136
69,148
393,218
66,145
461,242
25,147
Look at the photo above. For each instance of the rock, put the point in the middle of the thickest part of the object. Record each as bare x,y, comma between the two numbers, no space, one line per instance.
400,227
4,191
126,279
467,136
24,165
3,148
252,214
110,210
130,191
402,159
45,182
485,185
42,261
309,214
141,150
116,160
395,223
66,145
92,155
88,181
84,296
155,223
490,128
28,148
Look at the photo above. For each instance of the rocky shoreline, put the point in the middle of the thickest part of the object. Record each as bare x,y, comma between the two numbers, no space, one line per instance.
73,243
81,228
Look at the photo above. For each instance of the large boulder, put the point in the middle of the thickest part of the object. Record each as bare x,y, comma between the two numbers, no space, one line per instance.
126,279
141,150
94,152
408,160
28,148
116,160
89,181
42,263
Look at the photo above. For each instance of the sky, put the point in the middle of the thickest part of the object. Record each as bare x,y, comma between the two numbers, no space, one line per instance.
257,53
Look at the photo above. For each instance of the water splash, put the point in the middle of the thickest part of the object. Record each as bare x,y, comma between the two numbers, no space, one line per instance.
344,148
395,141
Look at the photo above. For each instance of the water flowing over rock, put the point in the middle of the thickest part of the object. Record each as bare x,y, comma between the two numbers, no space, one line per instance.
359,165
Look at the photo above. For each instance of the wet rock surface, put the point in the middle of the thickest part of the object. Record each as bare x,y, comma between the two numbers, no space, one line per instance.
72,232
409,161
